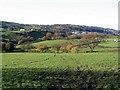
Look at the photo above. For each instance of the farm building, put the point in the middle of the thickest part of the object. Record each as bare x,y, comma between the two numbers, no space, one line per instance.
22,29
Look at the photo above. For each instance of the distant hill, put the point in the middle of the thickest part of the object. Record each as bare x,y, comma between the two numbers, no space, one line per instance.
13,26
62,28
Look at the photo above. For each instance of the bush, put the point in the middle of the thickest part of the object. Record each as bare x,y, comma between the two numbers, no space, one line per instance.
7,46
27,47
55,48
42,48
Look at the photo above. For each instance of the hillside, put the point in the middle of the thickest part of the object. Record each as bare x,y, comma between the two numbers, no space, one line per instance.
62,28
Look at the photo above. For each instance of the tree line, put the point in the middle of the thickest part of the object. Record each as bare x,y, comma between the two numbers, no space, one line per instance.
90,40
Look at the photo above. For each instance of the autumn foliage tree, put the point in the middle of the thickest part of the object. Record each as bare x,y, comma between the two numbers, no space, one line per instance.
69,47
91,40
66,47
74,50
42,48
55,48
44,38
63,47
48,36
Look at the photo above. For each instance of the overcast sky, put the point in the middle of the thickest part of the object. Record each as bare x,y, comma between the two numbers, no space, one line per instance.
103,13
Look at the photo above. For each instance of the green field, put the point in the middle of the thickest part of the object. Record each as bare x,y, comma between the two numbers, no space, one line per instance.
51,60
47,57
110,43
51,71
43,70
53,42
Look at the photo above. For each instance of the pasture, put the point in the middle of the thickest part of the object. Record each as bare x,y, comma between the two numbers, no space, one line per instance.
53,42
54,71
50,70
61,61
110,43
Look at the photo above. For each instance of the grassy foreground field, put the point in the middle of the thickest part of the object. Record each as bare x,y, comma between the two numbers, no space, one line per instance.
53,71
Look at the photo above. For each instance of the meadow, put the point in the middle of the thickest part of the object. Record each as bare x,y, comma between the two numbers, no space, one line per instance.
58,57
59,71
63,70
53,42
109,43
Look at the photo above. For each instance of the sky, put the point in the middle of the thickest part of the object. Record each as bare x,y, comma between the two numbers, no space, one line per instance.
101,13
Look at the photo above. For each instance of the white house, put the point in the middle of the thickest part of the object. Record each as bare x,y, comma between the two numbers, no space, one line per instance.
75,32
22,29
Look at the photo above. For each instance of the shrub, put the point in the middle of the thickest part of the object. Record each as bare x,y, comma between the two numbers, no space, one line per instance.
27,47
55,48
42,48
7,46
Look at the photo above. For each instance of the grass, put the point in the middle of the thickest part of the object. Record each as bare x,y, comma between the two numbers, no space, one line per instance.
52,42
52,71
51,60
110,44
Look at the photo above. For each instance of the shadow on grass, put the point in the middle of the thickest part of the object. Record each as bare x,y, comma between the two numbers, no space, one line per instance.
48,79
